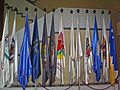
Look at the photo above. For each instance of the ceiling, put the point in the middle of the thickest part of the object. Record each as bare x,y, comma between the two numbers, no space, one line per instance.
91,4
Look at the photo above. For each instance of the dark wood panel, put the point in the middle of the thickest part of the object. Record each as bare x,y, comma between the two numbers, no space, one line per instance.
118,54
1,17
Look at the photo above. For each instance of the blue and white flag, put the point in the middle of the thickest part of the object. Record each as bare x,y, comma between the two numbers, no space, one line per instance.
113,57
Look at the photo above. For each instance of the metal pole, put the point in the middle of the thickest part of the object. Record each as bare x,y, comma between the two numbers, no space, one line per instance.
78,74
119,83
70,69
35,84
61,71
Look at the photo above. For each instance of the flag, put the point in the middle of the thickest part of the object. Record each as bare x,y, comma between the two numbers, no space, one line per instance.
61,52
45,53
35,52
25,66
52,53
13,55
72,54
79,52
4,58
104,52
88,63
113,57
96,53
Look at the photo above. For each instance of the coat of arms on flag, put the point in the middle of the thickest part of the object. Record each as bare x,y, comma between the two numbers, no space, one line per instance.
103,46
12,49
88,48
60,50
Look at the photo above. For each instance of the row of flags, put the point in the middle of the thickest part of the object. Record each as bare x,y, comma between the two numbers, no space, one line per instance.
96,56
101,57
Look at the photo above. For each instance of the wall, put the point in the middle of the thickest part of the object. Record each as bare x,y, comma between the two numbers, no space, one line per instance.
21,5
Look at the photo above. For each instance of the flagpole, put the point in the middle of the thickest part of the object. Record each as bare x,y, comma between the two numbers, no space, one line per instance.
35,84
103,79
70,57
70,70
103,61
35,79
60,60
78,62
118,82
79,75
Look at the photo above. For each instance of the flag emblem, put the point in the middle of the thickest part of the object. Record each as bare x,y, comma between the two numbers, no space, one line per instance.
12,49
88,48
103,47
44,51
60,50
6,52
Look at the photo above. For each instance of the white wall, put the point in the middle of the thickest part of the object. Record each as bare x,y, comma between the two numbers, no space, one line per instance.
22,4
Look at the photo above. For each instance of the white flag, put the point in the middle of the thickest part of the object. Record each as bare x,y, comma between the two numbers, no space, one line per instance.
13,55
4,57
72,54
88,63
61,52
79,52
104,52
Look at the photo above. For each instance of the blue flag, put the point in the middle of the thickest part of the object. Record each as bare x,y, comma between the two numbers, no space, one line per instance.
35,53
25,66
96,53
113,57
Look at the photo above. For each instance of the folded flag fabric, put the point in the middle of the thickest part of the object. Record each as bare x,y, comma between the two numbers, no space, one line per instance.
35,52
113,57
13,55
79,52
96,53
4,58
61,52
52,53
45,53
104,52
25,66
72,54
88,62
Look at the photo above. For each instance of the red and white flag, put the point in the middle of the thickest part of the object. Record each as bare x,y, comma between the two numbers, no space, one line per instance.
88,63
61,52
